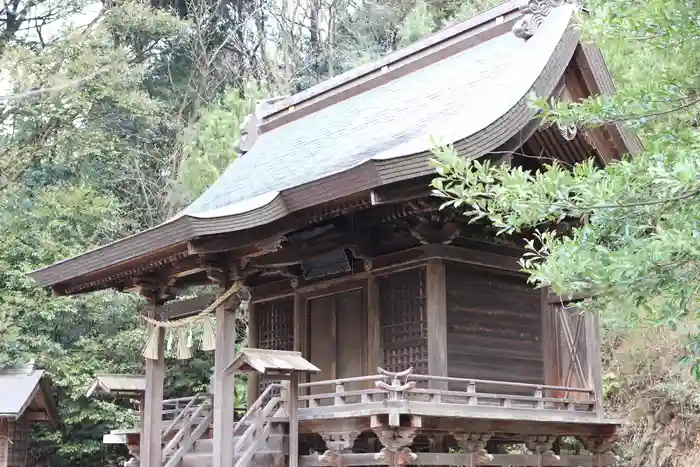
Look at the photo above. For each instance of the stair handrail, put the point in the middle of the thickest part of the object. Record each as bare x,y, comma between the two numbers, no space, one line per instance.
257,405
258,431
186,446
182,413
266,413
186,425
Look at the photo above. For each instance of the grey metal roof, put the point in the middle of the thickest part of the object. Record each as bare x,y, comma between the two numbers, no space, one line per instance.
17,389
449,101
117,384
271,361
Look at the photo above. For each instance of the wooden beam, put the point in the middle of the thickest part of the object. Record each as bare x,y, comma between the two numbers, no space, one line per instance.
253,342
291,255
151,431
37,416
224,387
393,262
183,308
436,313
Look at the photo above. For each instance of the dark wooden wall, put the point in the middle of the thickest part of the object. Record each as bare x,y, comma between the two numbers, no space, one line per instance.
494,326
15,454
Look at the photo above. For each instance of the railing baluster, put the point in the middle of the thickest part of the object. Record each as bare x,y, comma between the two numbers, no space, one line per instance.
538,395
339,399
471,390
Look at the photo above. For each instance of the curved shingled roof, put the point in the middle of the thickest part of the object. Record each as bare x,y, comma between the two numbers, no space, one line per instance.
450,100
468,85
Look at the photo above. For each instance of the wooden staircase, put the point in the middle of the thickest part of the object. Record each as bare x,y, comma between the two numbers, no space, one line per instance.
257,440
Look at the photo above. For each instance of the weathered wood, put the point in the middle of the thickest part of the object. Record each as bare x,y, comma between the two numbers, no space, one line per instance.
493,326
253,342
373,349
594,360
396,262
513,460
549,340
436,311
292,403
301,343
151,433
224,386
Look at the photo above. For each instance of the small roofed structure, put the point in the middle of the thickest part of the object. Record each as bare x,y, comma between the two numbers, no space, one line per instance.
272,363
25,397
119,386
280,364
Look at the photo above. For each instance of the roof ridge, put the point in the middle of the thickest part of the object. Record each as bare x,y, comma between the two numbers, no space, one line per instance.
290,107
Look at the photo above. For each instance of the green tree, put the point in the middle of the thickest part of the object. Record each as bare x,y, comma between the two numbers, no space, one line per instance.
632,241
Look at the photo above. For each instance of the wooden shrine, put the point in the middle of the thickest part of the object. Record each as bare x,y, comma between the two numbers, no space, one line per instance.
25,399
432,347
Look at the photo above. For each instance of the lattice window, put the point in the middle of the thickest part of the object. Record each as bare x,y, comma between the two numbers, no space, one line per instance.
276,328
17,451
403,321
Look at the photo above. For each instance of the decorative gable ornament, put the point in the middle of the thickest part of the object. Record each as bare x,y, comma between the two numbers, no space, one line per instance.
534,13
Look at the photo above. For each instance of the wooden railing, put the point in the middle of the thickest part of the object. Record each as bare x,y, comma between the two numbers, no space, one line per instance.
409,387
254,428
188,425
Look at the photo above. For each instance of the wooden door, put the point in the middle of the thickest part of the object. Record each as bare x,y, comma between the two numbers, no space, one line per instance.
337,333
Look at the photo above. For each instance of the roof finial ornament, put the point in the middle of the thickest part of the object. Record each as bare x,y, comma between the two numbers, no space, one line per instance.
534,13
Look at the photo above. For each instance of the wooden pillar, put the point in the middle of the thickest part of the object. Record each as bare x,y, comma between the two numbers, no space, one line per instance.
595,363
152,416
436,312
253,342
374,338
549,340
224,385
293,420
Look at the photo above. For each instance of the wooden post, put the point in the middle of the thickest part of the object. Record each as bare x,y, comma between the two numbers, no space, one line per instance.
293,395
374,338
224,386
436,311
152,410
253,342
549,341
300,334
595,373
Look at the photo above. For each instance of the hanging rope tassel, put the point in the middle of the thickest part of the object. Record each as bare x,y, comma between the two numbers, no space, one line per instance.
190,340
183,352
150,351
169,342
208,338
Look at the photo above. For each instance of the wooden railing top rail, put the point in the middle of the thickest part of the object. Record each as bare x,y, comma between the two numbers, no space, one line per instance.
544,387
357,379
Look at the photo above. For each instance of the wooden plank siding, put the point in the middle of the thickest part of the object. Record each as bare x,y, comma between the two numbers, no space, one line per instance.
494,325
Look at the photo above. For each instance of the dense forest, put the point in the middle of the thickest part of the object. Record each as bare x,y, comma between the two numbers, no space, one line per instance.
116,115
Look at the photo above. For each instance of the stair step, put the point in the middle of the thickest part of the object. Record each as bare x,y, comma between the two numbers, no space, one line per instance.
275,441
204,459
